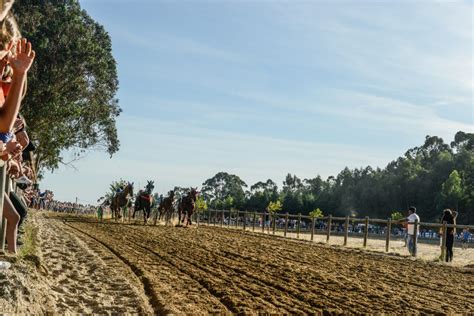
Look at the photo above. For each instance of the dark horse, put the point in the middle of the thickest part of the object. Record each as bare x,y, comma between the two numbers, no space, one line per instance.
144,201
187,206
120,200
166,207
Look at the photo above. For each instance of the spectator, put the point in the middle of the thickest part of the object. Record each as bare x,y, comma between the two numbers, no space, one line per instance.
465,238
450,218
412,217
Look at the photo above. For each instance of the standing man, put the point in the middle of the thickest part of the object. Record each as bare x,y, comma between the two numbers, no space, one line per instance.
411,240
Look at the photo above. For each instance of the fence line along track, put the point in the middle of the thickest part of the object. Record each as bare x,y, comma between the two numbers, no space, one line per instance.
249,220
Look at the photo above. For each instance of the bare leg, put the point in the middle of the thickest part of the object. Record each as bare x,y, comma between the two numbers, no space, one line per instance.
13,219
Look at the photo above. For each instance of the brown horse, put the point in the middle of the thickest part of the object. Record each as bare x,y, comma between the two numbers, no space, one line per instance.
166,207
144,201
187,206
120,200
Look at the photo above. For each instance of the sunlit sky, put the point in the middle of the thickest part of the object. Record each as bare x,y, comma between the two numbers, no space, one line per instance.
265,88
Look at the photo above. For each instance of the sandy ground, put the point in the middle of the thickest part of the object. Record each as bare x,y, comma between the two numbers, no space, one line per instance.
426,251
70,274
86,267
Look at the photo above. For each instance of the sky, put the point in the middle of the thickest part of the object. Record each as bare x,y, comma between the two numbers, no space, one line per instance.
265,88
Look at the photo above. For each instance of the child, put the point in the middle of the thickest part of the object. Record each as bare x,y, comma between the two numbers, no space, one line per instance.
465,238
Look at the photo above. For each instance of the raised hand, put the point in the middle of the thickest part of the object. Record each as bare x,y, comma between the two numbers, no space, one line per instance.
22,61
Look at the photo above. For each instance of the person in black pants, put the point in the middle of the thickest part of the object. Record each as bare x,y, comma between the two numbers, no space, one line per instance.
450,218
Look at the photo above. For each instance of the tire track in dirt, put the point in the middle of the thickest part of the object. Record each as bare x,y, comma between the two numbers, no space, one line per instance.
82,278
156,303
180,278
216,285
331,288
291,298
292,276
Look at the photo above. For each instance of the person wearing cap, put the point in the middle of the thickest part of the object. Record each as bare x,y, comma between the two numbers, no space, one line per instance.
412,217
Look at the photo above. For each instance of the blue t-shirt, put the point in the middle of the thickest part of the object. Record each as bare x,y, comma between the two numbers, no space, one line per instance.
6,137
465,235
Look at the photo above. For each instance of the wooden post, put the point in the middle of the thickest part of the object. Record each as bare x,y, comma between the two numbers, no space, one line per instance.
3,235
389,230
286,224
222,218
254,221
366,232
3,171
245,220
209,212
236,219
346,230
313,223
329,228
274,223
415,236
443,241
155,218
197,218
299,226
263,222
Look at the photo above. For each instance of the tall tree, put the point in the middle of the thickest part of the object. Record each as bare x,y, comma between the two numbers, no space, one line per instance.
70,104
224,188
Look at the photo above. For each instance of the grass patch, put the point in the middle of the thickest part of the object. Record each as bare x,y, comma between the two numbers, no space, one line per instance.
29,250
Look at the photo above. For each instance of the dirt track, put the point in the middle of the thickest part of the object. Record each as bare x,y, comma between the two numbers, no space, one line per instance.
202,270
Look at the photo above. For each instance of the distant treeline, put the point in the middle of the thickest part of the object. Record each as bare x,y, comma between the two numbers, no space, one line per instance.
431,177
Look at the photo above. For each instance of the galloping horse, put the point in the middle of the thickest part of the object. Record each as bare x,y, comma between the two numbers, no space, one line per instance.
144,201
187,206
166,207
120,200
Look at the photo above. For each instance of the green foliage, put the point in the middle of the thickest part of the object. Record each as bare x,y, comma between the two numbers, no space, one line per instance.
274,207
396,216
70,104
316,213
201,204
224,191
431,177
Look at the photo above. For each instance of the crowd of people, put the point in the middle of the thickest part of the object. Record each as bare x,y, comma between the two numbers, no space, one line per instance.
69,207
16,151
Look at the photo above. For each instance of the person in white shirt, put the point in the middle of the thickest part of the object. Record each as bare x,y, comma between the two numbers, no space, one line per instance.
412,217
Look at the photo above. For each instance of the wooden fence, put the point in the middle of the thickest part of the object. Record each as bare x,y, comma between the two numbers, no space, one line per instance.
255,221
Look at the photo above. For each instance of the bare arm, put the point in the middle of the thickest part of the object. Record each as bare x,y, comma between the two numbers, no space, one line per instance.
20,63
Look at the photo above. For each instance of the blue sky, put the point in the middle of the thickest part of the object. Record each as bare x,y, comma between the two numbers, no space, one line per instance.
263,88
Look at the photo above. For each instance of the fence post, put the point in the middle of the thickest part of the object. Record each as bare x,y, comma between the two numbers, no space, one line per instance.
299,226
313,223
263,222
155,217
346,230
197,218
222,218
366,232
443,242
329,228
274,223
3,171
254,221
415,237
209,212
245,220
389,230
286,224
